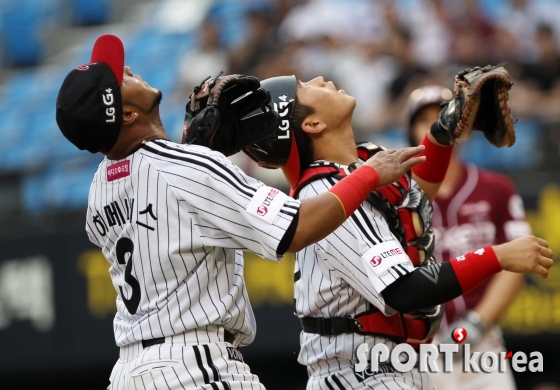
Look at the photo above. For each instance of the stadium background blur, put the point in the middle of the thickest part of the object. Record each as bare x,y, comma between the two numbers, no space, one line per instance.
56,298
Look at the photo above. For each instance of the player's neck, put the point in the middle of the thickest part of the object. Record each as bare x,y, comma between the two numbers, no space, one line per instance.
336,146
132,137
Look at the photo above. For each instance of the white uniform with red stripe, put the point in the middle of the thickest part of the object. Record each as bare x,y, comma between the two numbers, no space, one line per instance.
172,221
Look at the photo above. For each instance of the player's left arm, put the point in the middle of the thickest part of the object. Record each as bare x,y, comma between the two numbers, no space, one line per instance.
439,283
509,218
430,174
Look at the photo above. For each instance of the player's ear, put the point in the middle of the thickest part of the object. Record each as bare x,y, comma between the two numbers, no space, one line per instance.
313,125
130,114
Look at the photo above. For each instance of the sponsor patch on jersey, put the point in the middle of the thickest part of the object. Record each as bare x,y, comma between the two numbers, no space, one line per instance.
266,203
383,256
118,170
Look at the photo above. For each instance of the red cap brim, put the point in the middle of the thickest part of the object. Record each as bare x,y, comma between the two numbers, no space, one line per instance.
109,49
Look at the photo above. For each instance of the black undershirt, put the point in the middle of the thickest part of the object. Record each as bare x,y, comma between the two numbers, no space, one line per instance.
418,290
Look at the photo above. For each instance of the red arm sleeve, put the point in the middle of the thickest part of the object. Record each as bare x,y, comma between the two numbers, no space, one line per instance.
433,170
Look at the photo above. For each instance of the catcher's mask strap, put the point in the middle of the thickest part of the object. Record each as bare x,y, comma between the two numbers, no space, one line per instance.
292,167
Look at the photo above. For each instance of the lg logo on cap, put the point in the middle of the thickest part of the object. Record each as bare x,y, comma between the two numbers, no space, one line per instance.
108,100
282,109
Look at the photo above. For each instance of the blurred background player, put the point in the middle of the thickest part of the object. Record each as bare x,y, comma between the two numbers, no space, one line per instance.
473,208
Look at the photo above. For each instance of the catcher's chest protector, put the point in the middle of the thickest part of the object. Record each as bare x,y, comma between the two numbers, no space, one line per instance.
408,212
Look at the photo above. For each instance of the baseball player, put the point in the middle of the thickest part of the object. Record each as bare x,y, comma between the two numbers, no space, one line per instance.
473,208
353,286
172,220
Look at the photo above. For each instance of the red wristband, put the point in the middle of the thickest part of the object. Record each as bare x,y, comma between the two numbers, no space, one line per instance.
437,160
355,188
475,267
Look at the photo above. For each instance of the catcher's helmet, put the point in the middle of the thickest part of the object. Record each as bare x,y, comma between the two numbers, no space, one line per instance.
422,97
279,149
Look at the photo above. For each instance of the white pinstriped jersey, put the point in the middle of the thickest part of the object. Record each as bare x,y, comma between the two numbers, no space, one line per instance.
334,279
172,220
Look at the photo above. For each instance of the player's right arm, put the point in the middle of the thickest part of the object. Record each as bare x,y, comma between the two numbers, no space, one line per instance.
232,210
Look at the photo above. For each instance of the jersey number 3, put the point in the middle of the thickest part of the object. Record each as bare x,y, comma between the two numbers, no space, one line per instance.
124,246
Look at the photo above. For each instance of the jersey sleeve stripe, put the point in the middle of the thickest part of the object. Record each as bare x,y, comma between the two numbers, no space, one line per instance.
370,226
365,220
375,221
337,382
200,365
328,384
286,212
211,363
406,271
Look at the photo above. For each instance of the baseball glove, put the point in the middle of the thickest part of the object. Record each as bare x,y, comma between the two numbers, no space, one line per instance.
217,114
480,102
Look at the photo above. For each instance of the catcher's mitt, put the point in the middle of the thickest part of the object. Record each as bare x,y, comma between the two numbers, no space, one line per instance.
480,102
217,114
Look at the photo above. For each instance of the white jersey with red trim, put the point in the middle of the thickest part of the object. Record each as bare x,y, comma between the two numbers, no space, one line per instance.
172,221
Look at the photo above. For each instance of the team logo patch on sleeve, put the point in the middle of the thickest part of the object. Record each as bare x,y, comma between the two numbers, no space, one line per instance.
118,170
381,257
266,203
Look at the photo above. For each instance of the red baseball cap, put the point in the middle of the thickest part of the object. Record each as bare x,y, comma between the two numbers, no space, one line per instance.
89,103
109,49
